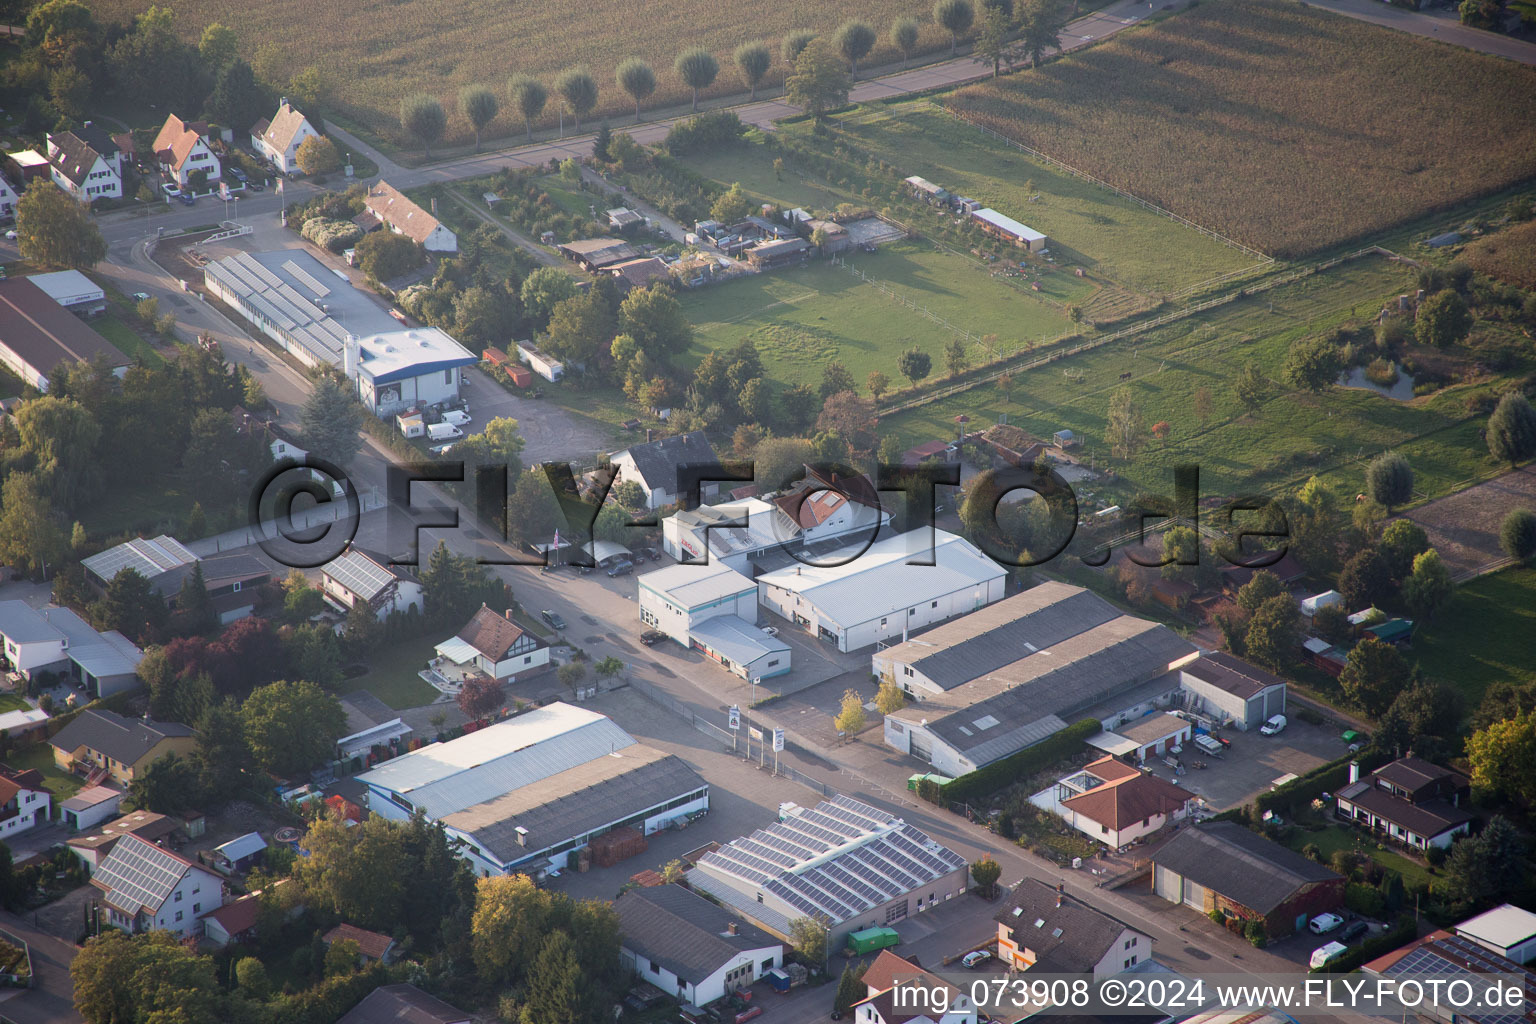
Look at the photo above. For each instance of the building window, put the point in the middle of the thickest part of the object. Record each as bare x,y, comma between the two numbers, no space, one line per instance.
178,897
197,908
882,622
1103,828
447,376
655,967
1131,962
235,588
934,605
178,915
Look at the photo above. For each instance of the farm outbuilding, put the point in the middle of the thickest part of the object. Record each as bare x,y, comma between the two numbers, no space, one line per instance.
1008,229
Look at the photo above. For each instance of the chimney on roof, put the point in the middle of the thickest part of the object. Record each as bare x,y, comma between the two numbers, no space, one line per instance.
730,928
434,206
509,615
649,435
1059,898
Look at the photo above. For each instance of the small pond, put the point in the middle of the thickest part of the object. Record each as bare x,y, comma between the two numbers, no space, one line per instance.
1400,391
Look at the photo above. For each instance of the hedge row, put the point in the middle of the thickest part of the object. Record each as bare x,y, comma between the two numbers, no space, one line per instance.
1000,774
1331,777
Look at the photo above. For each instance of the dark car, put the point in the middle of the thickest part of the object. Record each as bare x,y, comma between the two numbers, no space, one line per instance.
1352,931
255,186
552,618
652,636
623,568
237,174
648,551
187,199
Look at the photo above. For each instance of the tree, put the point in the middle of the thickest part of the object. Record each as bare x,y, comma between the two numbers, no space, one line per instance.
219,46
30,539
956,17
1313,364
637,79
168,786
478,106
697,68
384,255
1420,719
193,605
528,95
555,984
1443,319
904,34
731,206
1366,579
1251,388
1517,534
1374,674
878,384
132,607
654,318
236,98
571,674
850,719
820,82
956,359
1389,480
1488,865
854,41
1272,633
423,119
914,364
1502,752
1512,429
542,290
1401,542
889,697
317,155
150,978
329,422
56,231
808,936
794,44
1484,14
1261,588
532,511
985,873
1125,427
579,90
753,60
835,379
291,726
850,990
1040,25
606,669
511,918
341,958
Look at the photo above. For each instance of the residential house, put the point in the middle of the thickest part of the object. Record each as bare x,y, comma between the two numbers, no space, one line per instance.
90,807
640,273
37,335
403,216
1127,808
24,801
52,639
7,199
361,576
1043,929
233,581
1411,800
689,947
660,467
233,922
492,644
1222,866
95,847
403,1004
119,747
946,1004
279,139
147,888
183,148
82,169
825,506
371,946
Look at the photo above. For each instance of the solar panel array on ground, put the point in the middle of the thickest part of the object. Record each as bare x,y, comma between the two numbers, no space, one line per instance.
282,305
871,858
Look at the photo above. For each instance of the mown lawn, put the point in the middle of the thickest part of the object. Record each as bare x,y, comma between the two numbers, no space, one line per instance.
1292,436
60,783
11,702
392,677
127,340
1342,837
1486,635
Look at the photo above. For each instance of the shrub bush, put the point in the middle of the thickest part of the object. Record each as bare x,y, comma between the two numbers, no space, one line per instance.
334,235
1009,770
1364,899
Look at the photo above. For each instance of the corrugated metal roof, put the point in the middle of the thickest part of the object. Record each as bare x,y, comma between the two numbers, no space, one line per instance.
736,639
442,778
691,585
242,846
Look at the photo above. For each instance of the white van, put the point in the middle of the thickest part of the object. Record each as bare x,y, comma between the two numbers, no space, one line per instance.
458,417
1322,956
444,432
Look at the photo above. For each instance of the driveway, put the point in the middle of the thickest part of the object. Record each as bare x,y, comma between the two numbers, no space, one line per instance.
51,999
1254,762
552,433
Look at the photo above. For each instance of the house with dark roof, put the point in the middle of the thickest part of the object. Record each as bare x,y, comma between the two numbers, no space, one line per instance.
689,947
405,217
85,163
279,138
1043,929
358,575
1221,866
1417,803
183,148
100,741
595,254
24,800
1127,808
371,946
94,847
37,335
1231,691
887,973
657,466
491,644
403,1004
233,581
1290,571
147,888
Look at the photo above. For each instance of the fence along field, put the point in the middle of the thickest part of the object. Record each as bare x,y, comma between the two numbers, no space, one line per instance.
372,54
1284,127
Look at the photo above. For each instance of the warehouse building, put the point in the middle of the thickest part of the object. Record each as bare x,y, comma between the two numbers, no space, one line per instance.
854,865
37,335
712,608
860,595
522,795
1232,692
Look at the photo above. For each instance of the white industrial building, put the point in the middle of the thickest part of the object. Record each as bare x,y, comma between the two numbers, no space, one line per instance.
1507,930
318,317
522,794
712,608
73,290
862,595
689,947
688,535
853,864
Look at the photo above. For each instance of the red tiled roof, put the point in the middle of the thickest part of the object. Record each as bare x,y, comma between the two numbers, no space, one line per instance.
1110,769
1136,798
239,916
13,782
177,137
812,508
391,207
491,634
370,944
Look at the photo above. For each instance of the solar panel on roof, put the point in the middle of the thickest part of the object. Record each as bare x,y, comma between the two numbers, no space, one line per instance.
827,902
818,839
869,875
826,883
759,850
791,897
306,279
887,869
916,852
140,875
867,892
885,852
808,845
829,823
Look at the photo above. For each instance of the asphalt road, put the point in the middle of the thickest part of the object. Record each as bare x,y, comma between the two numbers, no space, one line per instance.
51,998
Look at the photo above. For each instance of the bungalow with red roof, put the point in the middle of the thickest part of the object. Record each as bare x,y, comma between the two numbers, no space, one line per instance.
370,945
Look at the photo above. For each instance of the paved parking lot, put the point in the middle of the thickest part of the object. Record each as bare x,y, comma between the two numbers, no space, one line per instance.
552,434
1254,762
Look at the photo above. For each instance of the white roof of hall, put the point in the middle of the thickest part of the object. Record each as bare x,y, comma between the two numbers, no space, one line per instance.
442,778
691,584
868,583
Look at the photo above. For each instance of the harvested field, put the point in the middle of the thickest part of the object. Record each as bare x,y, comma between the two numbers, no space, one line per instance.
1284,127
1464,527
1509,255
373,53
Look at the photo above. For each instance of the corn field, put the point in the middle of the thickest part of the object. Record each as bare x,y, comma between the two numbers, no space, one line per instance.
1285,127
